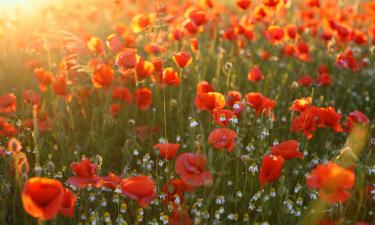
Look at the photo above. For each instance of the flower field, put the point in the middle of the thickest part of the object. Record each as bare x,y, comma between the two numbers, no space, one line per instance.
187,112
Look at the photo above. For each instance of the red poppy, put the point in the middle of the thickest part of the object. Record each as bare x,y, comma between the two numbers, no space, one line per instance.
190,167
42,198
170,77
102,76
260,103
323,79
222,138
303,52
176,188
182,59
307,122
167,150
243,4
69,201
111,181
301,104
127,58
44,78
6,129
204,87
113,42
85,174
232,97
140,188
32,98
60,86
255,74
209,101
305,81
330,118
179,216
95,45
143,69
287,150
143,98
355,117
222,116
122,94
7,103
141,22
270,169
275,34
333,182
271,3
196,15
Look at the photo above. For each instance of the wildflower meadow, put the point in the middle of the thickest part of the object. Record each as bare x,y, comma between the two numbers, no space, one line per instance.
187,112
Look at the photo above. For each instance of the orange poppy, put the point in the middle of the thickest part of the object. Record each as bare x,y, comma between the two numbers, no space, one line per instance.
95,45
301,104
222,138
42,198
102,76
44,78
255,74
275,34
8,103
143,69
209,101
333,182
140,188
141,22
167,150
170,77
143,98
182,59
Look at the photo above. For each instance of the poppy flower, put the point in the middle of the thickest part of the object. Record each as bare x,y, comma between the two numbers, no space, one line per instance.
260,103
69,201
140,188
6,129
32,98
143,98
182,59
271,3
307,122
287,150
122,94
190,167
179,216
305,81
355,117
270,169
141,22
176,188
127,58
303,52
243,4
111,181
113,42
167,150
333,182
232,97
85,173
44,78
95,45
204,87
60,86
301,104
323,79
275,34
255,74
222,138
209,101
170,77
102,76
197,16
222,116
7,103
143,69
42,198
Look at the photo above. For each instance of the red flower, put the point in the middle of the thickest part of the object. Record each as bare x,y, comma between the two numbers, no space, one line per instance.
30,97
167,150
255,74
69,201
222,116
170,77
270,169
204,87
287,150
222,138
8,103
243,4
179,217
233,97
127,58
102,76
140,188
143,98
275,34
355,117
60,86
122,94
307,122
44,78
182,59
301,104
332,181
305,81
111,181
209,101
176,188
42,198
331,118
260,103
323,80
143,69
6,129
85,173
190,167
